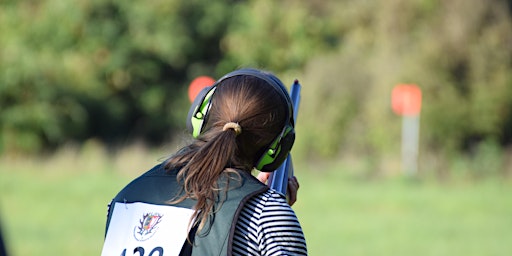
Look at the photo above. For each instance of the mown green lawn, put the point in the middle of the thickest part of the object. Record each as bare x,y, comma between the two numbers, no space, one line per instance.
400,217
60,210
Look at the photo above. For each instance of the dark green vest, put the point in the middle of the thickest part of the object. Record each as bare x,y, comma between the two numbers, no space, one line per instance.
157,186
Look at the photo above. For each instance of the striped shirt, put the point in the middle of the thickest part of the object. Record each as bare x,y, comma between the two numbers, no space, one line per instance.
267,225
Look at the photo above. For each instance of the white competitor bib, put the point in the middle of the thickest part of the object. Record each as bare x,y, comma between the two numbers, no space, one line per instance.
146,230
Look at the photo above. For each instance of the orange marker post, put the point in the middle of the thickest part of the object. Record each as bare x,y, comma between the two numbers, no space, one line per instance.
406,102
197,85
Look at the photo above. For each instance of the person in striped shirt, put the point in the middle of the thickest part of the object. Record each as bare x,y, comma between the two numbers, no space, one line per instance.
204,200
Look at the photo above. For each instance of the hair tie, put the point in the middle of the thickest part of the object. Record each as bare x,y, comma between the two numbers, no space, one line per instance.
235,126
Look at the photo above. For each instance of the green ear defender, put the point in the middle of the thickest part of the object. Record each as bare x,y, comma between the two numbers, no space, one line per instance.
274,155
277,151
199,110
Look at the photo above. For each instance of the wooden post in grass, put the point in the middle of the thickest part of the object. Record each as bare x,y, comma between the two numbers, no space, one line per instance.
406,102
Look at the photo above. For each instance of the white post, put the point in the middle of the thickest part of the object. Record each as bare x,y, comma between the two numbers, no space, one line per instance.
410,143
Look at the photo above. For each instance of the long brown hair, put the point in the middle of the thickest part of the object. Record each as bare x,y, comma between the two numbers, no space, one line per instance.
261,113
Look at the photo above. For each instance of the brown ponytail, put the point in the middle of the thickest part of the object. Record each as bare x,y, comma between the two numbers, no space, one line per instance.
246,115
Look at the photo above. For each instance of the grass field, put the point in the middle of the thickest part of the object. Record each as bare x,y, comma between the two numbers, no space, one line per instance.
58,207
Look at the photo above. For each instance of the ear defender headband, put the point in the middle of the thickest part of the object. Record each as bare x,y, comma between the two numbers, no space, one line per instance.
277,151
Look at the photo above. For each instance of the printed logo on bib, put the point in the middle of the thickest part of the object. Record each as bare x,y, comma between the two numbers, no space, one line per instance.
147,226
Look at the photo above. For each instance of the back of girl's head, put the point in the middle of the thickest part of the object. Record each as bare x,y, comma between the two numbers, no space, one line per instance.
256,106
257,114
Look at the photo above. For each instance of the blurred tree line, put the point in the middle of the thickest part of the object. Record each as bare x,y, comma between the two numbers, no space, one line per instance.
119,70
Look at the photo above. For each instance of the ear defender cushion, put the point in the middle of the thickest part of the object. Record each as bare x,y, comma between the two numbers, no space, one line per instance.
197,113
277,152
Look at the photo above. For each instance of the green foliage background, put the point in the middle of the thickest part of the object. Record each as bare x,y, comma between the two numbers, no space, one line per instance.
118,71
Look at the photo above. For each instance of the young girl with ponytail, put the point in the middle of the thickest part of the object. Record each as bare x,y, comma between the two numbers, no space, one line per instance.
204,200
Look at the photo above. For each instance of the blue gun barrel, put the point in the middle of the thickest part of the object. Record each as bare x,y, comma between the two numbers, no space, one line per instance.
278,179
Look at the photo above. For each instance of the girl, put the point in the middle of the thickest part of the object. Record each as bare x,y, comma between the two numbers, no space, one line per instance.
203,200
